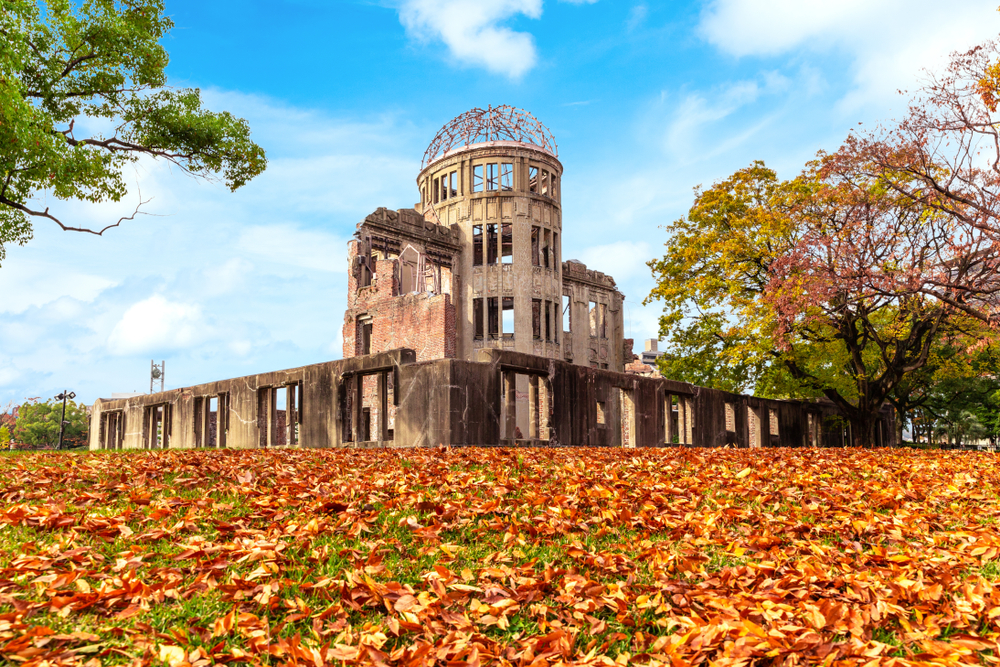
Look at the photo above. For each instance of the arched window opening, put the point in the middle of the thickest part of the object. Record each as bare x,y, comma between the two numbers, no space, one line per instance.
408,261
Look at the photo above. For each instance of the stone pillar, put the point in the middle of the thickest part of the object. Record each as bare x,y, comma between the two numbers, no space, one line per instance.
688,421
358,401
510,404
681,420
383,406
533,417
546,409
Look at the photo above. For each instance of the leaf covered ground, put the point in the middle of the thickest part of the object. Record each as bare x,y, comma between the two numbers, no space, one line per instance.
528,557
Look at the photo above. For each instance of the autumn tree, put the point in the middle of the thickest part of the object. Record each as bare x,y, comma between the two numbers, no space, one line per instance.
945,157
807,285
713,274
83,94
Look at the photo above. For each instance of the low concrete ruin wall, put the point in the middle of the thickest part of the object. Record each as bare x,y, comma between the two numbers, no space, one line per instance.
391,400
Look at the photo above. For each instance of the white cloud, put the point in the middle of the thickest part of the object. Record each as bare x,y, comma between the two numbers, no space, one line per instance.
8,375
240,347
473,31
291,245
622,260
27,284
698,114
890,41
636,16
156,325
226,277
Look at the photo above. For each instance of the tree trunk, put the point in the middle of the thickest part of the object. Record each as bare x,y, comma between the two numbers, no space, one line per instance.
863,429
899,428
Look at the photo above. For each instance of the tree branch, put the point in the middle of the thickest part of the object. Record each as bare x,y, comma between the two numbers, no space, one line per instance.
45,214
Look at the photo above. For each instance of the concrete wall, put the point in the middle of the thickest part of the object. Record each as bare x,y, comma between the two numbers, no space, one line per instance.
458,402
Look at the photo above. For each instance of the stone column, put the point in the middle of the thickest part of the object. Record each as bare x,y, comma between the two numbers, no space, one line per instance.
688,421
510,404
383,406
533,417
358,389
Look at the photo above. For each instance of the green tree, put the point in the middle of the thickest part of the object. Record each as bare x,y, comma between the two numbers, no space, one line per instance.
962,373
83,94
962,393
38,424
4,437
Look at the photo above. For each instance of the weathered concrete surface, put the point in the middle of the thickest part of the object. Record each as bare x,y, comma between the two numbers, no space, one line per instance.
455,402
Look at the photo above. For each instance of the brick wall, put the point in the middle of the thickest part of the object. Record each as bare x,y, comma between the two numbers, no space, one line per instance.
422,322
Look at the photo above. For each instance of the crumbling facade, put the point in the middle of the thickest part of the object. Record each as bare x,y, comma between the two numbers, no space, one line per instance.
464,326
477,264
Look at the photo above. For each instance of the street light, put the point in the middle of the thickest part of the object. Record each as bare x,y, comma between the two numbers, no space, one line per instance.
62,421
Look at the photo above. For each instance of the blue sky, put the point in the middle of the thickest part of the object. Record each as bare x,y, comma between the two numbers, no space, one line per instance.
646,100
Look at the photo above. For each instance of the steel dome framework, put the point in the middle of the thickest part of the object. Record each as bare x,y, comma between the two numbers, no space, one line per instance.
477,126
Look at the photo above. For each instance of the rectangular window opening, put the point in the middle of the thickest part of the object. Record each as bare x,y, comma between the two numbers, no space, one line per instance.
552,186
534,246
532,179
223,421
566,314
506,243
292,418
346,391
477,178
212,436
477,245
603,320
548,320
508,317
477,318
546,239
545,182
593,319
365,333
600,412
279,425
491,176
491,244
555,322
493,316
453,181
444,187
437,191
536,319
506,176
366,424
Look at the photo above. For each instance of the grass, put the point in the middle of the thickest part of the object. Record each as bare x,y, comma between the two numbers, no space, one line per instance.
516,553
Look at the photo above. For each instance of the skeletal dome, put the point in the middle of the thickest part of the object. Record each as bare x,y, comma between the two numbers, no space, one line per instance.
490,125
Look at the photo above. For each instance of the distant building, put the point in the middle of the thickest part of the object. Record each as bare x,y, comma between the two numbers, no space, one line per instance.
650,354
644,364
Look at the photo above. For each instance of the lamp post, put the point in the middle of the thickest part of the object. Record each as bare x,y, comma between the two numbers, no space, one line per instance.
62,420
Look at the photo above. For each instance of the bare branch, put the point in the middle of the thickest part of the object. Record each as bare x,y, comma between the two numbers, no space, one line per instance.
45,214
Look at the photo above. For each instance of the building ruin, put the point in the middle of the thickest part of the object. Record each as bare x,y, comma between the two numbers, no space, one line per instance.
465,326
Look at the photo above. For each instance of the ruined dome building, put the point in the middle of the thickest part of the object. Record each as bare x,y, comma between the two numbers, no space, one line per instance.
477,263
465,326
